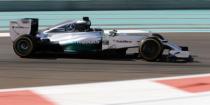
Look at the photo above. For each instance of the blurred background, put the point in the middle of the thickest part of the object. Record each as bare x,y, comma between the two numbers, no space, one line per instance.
66,5
153,15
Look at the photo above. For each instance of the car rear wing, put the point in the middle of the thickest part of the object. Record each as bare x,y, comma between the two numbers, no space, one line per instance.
25,26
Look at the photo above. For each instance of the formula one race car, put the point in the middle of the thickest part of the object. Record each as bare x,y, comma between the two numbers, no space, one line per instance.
77,37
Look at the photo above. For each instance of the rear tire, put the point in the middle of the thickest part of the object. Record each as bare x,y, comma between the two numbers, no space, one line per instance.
24,46
151,49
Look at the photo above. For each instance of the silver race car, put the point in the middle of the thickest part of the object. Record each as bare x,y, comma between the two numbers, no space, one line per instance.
77,37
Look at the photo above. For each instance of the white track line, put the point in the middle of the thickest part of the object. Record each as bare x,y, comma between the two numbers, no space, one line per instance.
131,92
4,35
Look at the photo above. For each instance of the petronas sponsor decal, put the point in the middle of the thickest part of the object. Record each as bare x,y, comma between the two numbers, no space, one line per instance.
75,47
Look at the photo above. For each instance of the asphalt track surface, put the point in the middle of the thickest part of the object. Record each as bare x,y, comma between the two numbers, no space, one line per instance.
54,70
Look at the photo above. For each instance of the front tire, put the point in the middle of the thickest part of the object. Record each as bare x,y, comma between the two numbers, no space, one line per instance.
24,46
151,49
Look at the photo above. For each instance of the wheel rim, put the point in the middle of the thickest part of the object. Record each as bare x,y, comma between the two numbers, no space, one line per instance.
23,47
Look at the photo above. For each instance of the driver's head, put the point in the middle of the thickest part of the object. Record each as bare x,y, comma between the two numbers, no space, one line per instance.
81,25
87,20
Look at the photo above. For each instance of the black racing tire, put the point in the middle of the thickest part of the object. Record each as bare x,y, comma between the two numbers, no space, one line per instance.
24,46
151,49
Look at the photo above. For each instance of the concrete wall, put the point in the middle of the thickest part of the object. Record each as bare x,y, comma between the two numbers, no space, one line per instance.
65,5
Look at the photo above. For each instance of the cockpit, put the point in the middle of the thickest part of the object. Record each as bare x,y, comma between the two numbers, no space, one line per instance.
76,26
